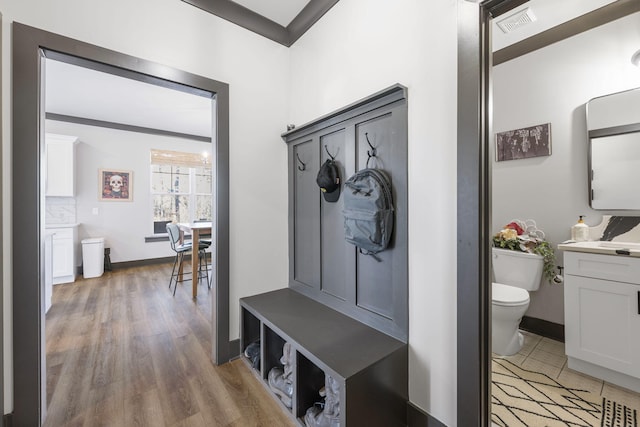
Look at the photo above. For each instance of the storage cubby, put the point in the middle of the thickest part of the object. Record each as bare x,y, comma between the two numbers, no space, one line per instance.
369,366
272,346
272,351
250,325
310,381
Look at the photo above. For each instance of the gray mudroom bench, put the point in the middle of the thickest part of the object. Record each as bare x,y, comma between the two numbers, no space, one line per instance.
369,366
345,313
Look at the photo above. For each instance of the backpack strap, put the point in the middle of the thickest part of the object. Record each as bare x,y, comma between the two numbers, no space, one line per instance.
371,254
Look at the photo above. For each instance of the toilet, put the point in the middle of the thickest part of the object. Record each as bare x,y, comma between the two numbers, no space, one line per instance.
515,274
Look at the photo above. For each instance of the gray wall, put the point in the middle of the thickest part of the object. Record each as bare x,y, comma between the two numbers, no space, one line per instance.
552,85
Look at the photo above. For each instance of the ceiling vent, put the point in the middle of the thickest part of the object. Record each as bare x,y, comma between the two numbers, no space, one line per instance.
516,20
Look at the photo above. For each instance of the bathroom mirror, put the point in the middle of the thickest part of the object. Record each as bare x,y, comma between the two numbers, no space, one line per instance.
613,124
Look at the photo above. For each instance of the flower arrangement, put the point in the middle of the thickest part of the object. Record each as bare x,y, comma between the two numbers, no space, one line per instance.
524,236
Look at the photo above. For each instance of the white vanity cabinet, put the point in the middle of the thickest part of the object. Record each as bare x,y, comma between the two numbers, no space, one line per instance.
63,260
61,165
602,316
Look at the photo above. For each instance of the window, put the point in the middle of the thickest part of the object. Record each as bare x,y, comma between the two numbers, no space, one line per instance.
181,186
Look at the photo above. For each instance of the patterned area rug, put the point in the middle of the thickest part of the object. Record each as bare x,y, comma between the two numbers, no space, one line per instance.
522,398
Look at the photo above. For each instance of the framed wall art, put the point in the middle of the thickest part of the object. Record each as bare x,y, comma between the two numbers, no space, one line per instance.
115,185
534,141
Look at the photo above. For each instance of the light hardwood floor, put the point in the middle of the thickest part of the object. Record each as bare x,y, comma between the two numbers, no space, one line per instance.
122,351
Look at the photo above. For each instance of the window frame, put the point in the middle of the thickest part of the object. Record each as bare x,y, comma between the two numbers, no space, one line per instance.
192,195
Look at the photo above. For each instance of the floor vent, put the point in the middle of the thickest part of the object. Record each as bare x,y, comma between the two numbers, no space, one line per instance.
516,20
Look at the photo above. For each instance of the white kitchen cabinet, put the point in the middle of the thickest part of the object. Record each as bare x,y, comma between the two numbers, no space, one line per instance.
61,165
48,278
63,260
602,316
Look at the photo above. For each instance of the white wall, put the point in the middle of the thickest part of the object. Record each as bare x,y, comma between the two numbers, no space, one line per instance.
361,47
552,85
124,225
174,33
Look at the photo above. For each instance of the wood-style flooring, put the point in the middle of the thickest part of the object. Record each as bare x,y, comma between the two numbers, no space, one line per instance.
122,351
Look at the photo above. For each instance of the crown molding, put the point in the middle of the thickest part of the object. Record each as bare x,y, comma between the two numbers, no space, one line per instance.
252,21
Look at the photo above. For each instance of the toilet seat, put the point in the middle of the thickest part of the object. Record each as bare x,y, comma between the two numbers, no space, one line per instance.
505,295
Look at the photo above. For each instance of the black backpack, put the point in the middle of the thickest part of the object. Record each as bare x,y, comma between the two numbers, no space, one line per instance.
368,210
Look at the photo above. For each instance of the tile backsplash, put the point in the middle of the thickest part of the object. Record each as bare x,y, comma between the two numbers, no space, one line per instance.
60,210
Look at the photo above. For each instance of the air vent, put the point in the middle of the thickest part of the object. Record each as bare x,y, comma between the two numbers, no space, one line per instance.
516,20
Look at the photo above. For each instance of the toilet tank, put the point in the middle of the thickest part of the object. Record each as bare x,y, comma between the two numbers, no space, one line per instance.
514,268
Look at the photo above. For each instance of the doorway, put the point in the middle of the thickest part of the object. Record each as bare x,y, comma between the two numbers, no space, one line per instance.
474,190
30,47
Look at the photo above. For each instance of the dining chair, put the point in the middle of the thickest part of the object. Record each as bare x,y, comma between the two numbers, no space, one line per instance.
208,266
181,248
207,236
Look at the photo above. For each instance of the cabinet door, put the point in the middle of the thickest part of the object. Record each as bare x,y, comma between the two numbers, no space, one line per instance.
48,278
602,323
62,259
60,169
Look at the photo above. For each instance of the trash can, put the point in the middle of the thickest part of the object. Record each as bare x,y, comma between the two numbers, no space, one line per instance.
93,257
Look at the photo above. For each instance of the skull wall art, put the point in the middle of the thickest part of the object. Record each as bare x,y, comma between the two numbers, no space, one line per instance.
115,184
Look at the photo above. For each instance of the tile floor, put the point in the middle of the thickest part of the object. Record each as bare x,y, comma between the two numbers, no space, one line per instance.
548,356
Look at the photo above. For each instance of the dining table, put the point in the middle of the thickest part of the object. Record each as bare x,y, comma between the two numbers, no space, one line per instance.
195,229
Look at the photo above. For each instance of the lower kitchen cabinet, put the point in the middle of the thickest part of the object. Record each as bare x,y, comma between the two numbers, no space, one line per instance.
63,260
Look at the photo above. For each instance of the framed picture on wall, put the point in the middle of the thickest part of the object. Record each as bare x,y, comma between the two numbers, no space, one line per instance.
115,185
534,141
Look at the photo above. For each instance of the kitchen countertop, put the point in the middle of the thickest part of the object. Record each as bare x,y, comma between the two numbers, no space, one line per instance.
602,247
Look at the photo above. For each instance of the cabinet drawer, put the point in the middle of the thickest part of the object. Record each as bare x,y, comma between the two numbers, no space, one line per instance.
618,268
62,233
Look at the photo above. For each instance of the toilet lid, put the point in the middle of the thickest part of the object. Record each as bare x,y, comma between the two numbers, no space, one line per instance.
508,295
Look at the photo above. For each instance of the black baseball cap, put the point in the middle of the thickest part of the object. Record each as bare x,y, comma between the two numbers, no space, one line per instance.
329,181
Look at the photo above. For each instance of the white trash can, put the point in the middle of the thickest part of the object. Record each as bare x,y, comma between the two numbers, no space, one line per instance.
92,257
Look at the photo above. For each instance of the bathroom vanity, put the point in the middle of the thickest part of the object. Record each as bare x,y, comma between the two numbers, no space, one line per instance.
602,310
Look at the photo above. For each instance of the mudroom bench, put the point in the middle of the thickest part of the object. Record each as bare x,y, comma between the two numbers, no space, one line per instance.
369,366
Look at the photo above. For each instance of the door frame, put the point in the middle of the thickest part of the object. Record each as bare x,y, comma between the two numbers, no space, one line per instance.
2,383
29,47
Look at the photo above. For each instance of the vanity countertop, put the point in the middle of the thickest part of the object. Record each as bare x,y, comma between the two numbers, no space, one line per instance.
50,226
603,247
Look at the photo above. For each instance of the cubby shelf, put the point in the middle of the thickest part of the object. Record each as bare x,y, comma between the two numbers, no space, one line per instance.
370,367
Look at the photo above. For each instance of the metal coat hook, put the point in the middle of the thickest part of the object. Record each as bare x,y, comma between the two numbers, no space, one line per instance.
333,158
304,165
371,153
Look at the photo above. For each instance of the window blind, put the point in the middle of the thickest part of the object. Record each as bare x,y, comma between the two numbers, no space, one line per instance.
178,158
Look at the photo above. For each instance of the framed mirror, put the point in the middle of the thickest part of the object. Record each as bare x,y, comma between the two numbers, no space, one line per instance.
613,124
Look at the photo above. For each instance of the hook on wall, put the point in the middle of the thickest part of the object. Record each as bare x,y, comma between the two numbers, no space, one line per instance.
370,153
333,158
304,165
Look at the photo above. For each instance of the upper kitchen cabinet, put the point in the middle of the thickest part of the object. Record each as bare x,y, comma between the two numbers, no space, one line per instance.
61,159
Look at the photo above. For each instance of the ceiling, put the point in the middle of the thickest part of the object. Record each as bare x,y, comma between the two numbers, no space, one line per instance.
80,92
280,11
548,14
283,21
